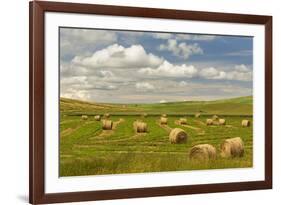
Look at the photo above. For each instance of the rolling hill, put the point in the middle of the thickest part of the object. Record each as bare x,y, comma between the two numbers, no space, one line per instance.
234,106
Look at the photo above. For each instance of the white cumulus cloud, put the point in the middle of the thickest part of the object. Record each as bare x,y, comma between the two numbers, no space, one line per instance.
170,70
144,86
240,73
241,76
167,69
86,36
212,73
191,37
78,41
182,83
195,37
242,68
75,93
162,35
181,49
117,56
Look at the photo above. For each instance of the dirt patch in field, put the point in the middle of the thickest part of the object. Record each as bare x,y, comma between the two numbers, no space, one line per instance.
118,140
199,130
70,130
115,124
188,126
67,131
105,133
62,122
132,152
146,152
165,127
200,122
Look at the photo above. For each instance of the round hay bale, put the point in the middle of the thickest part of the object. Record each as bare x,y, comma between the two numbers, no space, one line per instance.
141,127
202,152
163,120
233,147
245,123
183,121
107,125
209,122
222,122
106,115
215,117
84,117
97,117
178,135
197,115
164,115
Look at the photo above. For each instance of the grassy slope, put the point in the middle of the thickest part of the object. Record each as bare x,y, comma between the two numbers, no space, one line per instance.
235,106
86,150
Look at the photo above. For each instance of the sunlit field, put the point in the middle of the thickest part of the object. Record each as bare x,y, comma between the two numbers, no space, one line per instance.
87,149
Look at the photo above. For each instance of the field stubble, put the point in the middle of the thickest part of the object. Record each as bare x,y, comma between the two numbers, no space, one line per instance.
85,150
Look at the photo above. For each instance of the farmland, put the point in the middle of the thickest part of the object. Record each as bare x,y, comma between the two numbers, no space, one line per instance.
86,149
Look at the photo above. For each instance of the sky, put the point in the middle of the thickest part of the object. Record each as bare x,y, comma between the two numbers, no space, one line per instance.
114,66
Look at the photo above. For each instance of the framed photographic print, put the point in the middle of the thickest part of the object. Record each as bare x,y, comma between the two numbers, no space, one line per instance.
139,102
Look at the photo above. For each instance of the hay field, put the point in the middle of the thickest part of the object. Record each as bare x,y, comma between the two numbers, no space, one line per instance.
86,149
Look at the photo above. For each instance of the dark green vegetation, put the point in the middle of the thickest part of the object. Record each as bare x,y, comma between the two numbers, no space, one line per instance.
87,150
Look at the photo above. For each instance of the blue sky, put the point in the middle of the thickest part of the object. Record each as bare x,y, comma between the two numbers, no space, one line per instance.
148,67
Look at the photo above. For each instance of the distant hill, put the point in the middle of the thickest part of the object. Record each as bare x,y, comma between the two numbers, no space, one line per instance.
233,106
71,105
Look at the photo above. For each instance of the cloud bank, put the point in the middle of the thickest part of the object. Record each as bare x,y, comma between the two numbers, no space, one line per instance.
96,65
117,56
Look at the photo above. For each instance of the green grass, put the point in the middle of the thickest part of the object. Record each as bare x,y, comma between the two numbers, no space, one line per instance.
235,106
87,150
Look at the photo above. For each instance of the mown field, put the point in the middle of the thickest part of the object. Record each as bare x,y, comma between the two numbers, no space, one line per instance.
86,149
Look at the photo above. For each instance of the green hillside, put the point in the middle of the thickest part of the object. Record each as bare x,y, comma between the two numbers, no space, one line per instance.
234,106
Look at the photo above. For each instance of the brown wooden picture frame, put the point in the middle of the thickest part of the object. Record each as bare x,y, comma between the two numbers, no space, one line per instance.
37,193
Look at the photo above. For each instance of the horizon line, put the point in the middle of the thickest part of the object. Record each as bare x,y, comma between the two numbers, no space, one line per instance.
210,100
